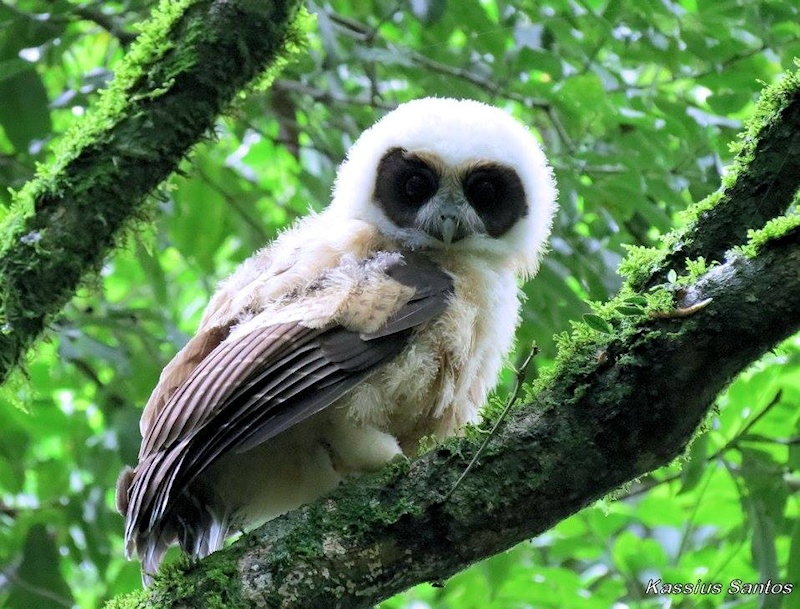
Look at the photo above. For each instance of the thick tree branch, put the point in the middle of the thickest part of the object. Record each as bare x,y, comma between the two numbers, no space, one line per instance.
767,174
182,73
605,420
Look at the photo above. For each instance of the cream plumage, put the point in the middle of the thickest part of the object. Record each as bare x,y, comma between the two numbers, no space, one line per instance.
360,330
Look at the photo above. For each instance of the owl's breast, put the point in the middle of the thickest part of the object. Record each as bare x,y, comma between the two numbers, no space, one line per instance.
440,381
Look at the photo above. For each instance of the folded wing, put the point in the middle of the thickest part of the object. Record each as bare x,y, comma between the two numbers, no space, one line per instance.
248,389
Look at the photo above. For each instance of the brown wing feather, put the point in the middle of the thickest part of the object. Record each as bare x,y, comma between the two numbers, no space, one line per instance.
178,370
250,388
195,401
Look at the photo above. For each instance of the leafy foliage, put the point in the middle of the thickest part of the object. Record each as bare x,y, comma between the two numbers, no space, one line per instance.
636,103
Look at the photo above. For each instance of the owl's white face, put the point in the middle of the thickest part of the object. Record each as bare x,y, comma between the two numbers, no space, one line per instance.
451,174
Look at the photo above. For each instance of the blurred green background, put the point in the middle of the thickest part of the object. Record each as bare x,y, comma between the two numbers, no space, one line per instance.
636,102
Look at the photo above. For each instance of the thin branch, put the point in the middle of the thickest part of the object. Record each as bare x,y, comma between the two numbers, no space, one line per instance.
327,97
519,377
234,204
42,592
105,21
364,33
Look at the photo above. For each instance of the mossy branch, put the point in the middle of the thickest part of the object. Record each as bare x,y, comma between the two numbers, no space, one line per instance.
617,405
185,68
759,187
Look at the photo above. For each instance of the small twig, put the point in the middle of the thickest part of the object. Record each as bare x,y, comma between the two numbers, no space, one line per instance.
519,378
365,33
681,311
14,577
234,204
106,22
325,96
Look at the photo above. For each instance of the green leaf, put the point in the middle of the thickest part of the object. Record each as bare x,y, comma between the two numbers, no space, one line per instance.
498,568
11,67
19,30
24,114
793,565
765,483
202,220
634,555
595,322
152,266
695,465
630,311
428,11
636,301
765,555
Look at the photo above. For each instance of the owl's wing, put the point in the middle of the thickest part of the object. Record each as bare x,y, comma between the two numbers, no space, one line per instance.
253,386
219,316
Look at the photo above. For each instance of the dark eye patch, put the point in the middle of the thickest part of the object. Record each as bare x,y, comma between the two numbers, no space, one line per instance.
403,184
483,190
496,193
418,186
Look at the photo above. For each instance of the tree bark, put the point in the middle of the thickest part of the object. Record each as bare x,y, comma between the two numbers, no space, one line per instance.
767,174
619,405
181,74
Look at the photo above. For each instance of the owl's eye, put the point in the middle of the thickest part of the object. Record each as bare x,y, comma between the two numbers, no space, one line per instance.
483,192
419,187
495,192
403,185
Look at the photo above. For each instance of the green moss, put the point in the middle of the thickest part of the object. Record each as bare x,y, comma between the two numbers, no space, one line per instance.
134,600
92,130
215,585
688,218
182,71
640,263
144,74
775,229
586,347
771,103
357,501
296,44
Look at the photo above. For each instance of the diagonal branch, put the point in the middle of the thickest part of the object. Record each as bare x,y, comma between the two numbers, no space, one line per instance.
183,71
766,176
600,423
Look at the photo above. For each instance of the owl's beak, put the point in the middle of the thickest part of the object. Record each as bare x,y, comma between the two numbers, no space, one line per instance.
447,219
449,225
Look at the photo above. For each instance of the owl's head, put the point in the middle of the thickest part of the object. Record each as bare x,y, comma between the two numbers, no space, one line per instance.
440,173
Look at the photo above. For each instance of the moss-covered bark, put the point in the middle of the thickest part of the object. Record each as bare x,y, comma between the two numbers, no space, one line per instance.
618,405
184,70
766,174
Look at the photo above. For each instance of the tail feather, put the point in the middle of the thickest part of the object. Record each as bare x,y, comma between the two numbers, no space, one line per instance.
199,523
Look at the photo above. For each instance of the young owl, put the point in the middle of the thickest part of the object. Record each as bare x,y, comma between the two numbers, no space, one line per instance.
358,331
